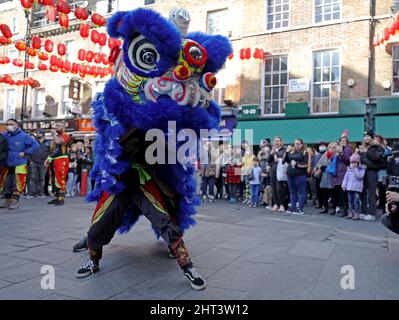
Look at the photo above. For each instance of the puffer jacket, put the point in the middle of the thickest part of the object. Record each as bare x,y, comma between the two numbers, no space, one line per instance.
342,164
373,158
18,142
353,180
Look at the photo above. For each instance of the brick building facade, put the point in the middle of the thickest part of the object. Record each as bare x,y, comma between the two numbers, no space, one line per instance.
320,70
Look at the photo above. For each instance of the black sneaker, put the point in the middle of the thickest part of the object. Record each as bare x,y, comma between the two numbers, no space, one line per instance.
80,246
59,202
89,268
195,279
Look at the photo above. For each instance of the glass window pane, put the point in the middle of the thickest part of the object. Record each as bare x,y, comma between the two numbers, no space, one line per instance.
284,79
327,9
268,108
284,23
270,18
268,65
319,18
268,93
326,74
326,58
325,90
276,80
282,106
270,26
286,7
335,74
276,106
278,25
318,2
335,58
325,105
277,2
269,9
317,75
395,54
336,15
318,11
336,7
317,91
276,64
277,8
317,60
276,92
316,105
284,63
396,69
327,17
283,92
285,16
277,17
327,2
268,80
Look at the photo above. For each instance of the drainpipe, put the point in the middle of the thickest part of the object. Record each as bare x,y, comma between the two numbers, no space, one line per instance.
371,72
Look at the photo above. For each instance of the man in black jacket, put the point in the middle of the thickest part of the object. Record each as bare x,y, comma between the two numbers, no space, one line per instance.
3,151
372,157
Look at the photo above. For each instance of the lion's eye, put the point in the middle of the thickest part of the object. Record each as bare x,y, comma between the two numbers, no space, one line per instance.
143,54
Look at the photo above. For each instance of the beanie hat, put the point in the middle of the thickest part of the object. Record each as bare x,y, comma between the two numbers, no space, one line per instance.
355,158
369,133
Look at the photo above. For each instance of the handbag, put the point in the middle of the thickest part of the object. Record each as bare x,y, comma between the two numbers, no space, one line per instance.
332,167
282,171
251,176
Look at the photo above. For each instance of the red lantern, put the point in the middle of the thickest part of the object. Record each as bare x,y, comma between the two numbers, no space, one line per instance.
84,30
36,42
19,83
27,4
67,66
63,7
98,20
20,45
43,56
95,36
4,40
231,56
103,39
53,68
47,3
75,68
81,13
31,52
242,54
5,30
61,49
247,53
42,67
29,65
114,54
97,58
49,45
396,24
53,60
89,56
104,59
112,42
18,62
64,21
60,63
82,54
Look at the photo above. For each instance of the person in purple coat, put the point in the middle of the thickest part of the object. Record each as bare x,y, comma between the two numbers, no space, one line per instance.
340,198
353,185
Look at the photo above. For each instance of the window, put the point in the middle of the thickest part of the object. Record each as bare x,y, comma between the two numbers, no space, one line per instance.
41,14
326,81
11,102
278,12
14,25
217,22
65,103
39,103
395,56
71,51
275,85
327,10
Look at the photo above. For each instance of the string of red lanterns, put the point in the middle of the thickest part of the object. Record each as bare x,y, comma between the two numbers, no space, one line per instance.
7,79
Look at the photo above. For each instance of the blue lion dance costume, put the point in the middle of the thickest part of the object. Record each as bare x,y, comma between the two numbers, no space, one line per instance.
162,74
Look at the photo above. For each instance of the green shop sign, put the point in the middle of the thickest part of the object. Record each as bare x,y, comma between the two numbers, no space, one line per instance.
248,111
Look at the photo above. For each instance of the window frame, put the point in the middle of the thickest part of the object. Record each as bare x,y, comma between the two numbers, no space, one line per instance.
263,84
324,21
395,46
312,83
36,115
267,19
61,102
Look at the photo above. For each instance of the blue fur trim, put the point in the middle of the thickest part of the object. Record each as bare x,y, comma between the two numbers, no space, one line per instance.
159,31
218,48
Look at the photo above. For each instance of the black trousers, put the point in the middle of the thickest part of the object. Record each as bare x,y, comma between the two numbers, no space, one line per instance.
340,198
319,193
103,230
280,194
382,197
369,198
326,195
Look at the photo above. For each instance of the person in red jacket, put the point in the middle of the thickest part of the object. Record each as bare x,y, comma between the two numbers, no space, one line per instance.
233,176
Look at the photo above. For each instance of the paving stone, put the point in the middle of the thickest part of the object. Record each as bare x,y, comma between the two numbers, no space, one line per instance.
313,249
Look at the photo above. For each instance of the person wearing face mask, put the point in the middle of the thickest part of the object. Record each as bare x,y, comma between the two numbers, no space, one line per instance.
36,166
59,162
316,176
20,146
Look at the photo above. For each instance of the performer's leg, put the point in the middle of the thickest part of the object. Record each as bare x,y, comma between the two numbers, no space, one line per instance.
173,236
106,220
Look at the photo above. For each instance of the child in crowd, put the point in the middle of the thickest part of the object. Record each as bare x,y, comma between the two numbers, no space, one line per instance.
353,184
254,183
233,177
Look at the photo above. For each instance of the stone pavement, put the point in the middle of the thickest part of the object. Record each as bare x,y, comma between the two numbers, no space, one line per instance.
243,253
